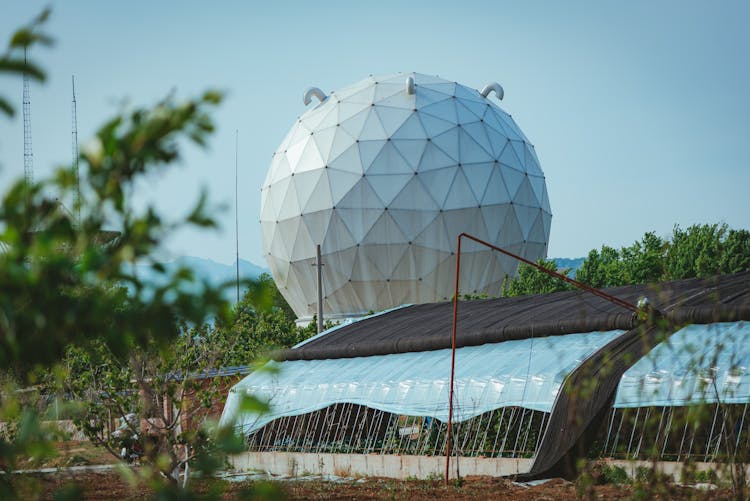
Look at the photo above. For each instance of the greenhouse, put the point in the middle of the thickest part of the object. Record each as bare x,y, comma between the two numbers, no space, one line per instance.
537,377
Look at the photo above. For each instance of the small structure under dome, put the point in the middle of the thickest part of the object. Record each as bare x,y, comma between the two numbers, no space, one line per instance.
380,385
383,175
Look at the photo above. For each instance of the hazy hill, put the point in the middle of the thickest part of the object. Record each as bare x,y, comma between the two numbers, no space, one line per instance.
567,262
205,270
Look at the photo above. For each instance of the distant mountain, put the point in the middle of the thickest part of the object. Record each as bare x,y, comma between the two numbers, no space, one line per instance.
204,270
567,262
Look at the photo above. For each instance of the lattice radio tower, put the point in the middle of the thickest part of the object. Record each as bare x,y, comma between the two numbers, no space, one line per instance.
74,129
28,155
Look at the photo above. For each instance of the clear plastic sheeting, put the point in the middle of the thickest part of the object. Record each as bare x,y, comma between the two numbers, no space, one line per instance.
699,363
526,373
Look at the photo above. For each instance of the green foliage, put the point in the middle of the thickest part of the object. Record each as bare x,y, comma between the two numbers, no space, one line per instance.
14,62
56,275
74,315
168,388
263,322
614,475
698,251
532,281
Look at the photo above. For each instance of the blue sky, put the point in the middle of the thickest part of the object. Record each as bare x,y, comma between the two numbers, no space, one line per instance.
638,110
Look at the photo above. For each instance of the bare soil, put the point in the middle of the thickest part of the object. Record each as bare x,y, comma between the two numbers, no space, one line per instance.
110,485
70,453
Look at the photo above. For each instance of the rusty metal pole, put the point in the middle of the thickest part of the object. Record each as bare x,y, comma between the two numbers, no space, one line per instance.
575,283
320,289
453,361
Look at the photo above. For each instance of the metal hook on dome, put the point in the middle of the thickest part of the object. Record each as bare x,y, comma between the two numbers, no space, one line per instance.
410,85
494,86
313,91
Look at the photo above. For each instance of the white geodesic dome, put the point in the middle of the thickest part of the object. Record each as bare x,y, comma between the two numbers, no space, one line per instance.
384,175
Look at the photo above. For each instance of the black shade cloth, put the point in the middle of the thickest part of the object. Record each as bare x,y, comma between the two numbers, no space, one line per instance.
428,326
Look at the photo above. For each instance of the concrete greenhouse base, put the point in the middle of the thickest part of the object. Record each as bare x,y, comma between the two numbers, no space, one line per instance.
295,464
374,465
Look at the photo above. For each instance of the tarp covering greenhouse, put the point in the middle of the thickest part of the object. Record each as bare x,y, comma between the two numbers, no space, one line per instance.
524,373
697,364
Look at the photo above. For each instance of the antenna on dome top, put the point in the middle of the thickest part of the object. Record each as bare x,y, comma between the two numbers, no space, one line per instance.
74,134
28,155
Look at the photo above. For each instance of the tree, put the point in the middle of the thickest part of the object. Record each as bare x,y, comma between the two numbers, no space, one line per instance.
705,250
532,281
160,399
698,251
60,279
601,268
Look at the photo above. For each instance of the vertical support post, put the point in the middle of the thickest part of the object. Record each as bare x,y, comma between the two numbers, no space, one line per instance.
739,431
320,289
497,434
511,422
667,431
74,133
453,361
609,430
564,278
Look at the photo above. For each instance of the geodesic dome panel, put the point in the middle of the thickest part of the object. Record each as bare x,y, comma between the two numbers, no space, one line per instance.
384,177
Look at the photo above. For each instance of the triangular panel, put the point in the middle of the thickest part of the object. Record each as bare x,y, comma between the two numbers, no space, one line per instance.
496,192
448,143
434,158
414,196
359,221
392,118
340,184
348,161
388,186
460,194
411,150
389,161
411,129
478,176
361,196
438,182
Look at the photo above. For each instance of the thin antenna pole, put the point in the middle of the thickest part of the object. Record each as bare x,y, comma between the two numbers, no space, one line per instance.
75,152
236,210
28,155
320,289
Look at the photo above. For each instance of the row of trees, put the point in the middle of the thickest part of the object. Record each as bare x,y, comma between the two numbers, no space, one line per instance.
698,251
170,394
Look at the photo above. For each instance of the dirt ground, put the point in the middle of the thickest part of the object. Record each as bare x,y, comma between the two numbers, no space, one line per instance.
70,453
111,485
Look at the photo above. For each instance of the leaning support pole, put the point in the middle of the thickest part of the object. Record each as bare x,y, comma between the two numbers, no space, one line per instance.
575,283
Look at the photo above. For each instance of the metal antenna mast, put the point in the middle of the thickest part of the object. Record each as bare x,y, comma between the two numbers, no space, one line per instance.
28,155
75,152
236,212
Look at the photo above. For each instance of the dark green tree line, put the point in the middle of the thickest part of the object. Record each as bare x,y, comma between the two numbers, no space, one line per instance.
697,251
